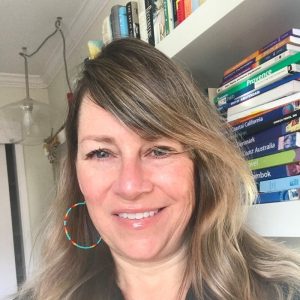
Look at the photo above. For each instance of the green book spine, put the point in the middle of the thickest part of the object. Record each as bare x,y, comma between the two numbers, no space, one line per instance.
259,76
276,159
166,17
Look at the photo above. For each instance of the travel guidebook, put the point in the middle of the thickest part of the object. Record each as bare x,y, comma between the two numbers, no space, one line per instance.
260,97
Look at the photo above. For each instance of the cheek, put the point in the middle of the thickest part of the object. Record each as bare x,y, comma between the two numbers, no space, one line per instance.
88,182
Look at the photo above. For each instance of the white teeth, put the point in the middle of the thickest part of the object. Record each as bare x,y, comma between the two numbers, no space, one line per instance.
138,216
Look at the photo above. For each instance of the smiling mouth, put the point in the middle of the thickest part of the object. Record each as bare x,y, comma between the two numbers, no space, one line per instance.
139,215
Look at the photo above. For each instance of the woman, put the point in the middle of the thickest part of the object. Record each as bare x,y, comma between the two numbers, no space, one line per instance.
162,190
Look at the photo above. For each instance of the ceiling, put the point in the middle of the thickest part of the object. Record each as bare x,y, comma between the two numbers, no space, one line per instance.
28,22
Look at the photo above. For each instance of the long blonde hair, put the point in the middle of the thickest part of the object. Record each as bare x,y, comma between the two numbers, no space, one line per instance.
152,95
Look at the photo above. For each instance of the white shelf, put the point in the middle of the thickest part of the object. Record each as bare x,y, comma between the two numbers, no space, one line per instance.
218,35
221,33
280,219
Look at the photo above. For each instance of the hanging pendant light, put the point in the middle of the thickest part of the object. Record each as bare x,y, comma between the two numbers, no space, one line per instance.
28,121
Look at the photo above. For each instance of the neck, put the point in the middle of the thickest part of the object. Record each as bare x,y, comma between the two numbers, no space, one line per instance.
152,280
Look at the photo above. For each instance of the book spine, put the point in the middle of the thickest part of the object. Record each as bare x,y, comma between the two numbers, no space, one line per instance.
180,11
248,103
115,22
187,8
292,194
261,109
256,78
253,70
288,170
149,18
142,21
280,184
272,146
170,15
174,6
288,85
272,133
262,52
166,14
123,22
273,160
159,21
245,93
133,19
260,123
106,31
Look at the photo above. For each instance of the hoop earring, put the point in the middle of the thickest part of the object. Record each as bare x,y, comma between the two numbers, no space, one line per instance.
68,234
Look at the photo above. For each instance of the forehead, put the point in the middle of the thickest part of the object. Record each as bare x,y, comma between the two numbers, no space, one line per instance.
95,120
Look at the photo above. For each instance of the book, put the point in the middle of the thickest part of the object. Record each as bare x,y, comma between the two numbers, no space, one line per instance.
272,92
149,19
106,31
276,159
123,22
114,21
279,184
142,21
292,194
287,37
252,64
272,146
180,11
257,68
260,76
171,15
271,133
174,12
253,87
133,19
159,21
262,109
287,170
258,124
187,8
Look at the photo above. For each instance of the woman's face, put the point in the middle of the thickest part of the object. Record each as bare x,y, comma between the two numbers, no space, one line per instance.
139,193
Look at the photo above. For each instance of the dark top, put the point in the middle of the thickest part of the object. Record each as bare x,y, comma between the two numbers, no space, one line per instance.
118,295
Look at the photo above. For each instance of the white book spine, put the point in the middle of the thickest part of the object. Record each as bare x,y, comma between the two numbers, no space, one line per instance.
264,107
272,95
142,21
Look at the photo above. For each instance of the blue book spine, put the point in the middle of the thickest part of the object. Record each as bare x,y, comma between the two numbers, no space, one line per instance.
261,126
279,184
123,22
289,170
272,133
271,146
292,194
270,116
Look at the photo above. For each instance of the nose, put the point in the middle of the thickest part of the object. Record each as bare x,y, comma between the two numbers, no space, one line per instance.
133,180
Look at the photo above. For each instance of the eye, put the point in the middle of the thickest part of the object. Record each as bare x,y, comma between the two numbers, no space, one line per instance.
161,151
99,154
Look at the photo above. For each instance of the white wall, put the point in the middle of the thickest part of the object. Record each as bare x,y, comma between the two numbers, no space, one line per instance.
39,175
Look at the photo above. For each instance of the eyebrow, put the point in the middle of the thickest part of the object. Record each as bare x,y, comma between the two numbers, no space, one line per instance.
96,138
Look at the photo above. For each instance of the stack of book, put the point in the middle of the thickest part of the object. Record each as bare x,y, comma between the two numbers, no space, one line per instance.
260,97
149,20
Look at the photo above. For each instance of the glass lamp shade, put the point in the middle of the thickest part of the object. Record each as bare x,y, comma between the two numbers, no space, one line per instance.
28,122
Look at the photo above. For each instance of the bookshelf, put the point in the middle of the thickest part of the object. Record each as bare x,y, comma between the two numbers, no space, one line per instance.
219,34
